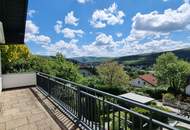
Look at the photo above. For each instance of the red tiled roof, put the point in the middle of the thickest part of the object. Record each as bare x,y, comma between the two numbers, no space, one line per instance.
149,78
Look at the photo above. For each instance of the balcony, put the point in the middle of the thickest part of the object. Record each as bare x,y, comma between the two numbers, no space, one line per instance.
55,103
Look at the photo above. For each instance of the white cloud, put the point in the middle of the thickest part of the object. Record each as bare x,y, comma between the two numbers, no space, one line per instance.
71,33
157,24
67,32
67,48
152,46
103,39
165,0
58,27
110,16
71,19
83,1
31,13
119,34
32,34
31,27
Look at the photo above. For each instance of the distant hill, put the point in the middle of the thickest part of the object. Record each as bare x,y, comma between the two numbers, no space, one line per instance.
91,59
149,59
141,59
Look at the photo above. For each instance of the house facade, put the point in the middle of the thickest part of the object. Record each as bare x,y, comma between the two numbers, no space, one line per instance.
144,80
187,90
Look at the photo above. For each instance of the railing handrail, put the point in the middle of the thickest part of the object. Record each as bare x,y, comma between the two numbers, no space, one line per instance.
170,115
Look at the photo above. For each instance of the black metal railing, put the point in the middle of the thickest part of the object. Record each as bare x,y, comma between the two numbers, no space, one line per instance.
96,110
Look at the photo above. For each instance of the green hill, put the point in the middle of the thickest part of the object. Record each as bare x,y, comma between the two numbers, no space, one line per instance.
91,59
141,59
149,59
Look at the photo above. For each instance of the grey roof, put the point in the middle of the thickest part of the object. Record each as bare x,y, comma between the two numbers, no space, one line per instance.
137,98
13,16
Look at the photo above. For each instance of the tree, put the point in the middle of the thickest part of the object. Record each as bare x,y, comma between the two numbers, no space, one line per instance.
172,71
13,54
66,69
112,74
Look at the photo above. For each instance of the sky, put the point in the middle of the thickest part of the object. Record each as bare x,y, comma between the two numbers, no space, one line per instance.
107,28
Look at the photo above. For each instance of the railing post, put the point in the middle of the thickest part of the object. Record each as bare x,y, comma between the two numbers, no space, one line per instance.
150,124
79,105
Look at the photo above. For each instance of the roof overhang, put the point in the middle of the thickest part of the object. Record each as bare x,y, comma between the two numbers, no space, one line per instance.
13,15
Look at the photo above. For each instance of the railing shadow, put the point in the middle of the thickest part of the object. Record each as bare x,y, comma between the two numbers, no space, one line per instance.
63,120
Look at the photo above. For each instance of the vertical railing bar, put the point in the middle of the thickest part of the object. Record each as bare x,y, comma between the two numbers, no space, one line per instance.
91,112
140,123
150,121
79,106
99,113
108,121
95,111
88,109
103,113
113,116
126,123
119,116
133,126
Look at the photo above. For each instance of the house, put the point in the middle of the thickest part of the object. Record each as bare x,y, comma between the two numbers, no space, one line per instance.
144,80
187,89
86,70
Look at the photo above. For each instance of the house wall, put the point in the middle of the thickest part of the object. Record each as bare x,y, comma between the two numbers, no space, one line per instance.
18,80
138,82
85,72
187,91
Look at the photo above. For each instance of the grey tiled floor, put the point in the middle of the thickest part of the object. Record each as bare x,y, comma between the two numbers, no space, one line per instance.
20,110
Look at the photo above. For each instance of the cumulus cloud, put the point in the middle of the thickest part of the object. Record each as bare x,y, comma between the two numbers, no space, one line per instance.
71,33
83,1
71,19
165,0
152,46
67,48
110,16
32,34
31,13
58,26
67,32
119,34
31,27
157,24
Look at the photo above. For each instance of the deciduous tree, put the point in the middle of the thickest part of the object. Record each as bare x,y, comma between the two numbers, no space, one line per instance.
112,74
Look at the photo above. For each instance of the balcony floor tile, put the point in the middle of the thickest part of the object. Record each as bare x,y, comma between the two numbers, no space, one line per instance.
20,110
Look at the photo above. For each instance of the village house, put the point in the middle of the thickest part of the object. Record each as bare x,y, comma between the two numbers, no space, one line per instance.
144,80
187,89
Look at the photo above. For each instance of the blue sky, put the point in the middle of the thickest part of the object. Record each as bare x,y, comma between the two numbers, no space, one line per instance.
107,27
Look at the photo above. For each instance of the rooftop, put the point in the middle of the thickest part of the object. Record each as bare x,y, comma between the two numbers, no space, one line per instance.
137,98
150,78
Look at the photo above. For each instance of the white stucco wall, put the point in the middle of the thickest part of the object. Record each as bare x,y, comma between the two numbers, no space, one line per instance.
85,72
18,80
138,82
187,90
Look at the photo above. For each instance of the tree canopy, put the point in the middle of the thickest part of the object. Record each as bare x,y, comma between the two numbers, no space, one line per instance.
112,74
172,71
11,54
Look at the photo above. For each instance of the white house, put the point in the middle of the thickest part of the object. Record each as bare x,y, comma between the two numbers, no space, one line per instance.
144,80
85,72
187,90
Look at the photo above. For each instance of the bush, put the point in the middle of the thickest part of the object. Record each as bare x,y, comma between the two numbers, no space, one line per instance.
145,112
154,92
168,97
